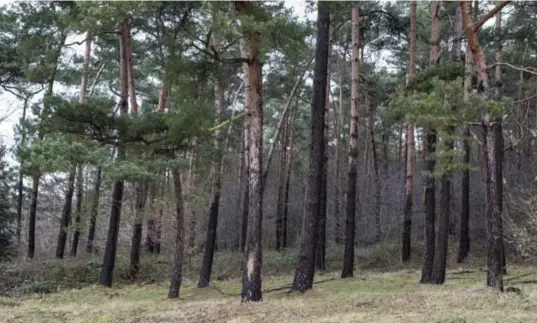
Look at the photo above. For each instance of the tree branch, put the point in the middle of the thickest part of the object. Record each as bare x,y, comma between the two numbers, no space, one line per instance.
489,15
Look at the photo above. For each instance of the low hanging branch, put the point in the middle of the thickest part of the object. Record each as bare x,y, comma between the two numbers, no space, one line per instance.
282,119
529,70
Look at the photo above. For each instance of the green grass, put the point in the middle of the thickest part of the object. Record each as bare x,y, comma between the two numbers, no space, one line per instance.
383,291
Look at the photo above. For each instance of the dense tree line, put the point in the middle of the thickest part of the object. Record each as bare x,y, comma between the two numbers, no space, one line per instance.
198,127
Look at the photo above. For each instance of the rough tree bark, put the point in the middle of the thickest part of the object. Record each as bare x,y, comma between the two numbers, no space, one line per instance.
493,146
429,152
305,270
78,209
410,146
348,256
251,280
109,259
66,213
338,191
176,279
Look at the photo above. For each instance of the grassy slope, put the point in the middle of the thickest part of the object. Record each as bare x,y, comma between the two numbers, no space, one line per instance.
392,296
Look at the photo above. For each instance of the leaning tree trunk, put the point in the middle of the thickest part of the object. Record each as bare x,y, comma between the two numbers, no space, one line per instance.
348,255
78,209
429,152
66,213
109,259
94,209
210,241
176,279
410,146
493,146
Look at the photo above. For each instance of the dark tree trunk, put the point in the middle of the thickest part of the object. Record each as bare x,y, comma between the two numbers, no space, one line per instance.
430,209
151,225
66,214
20,184
305,270
288,167
78,209
348,254
371,131
244,224
136,241
109,260
281,187
94,209
32,216
176,279
208,256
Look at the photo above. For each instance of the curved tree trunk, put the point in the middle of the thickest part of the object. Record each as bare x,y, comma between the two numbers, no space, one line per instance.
348,255
410,147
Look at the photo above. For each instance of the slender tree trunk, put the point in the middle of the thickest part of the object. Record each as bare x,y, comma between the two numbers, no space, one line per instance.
208,257
109,259
429,152
66,214
20,183
94,209
78,209
288,167
337,188
281,184
246,176
320,258
176,279
371,131
410,147
348,255
305,270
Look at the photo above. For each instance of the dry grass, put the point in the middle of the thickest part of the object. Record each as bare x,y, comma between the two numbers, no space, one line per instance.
371,297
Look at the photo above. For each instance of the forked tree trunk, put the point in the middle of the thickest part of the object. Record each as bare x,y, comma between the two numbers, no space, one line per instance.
176,278
109,260
94,209
305,270
348,255
429,154
78,209
210,241
410,147
66,213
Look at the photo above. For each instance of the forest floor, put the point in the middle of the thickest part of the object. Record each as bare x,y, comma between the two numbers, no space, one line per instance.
372,296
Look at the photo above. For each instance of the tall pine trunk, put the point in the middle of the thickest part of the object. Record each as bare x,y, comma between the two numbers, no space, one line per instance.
348,255
410,147
320,258
20,183
136,240
305,270
281,187
288,168
429,154
109,259
371,130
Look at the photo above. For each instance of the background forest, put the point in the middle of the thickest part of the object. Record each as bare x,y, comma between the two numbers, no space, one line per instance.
194,143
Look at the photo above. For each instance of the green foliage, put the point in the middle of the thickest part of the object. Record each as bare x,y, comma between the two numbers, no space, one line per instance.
7,215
